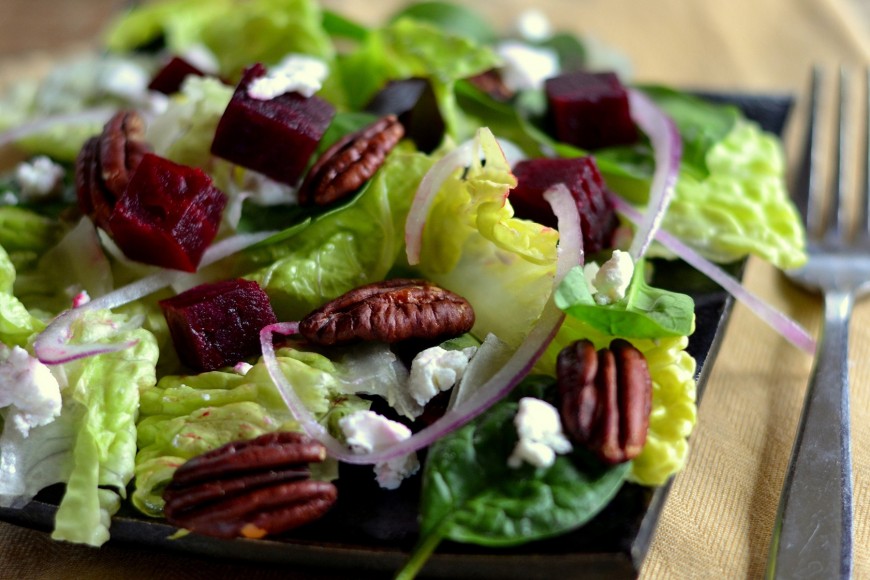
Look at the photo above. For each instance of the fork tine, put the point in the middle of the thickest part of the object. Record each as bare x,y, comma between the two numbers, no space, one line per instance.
835,231
807,176
863,231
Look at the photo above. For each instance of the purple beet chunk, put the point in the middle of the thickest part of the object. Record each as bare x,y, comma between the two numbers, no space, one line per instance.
275,137
413,102
589,110
168,215
169,78
217,325
582,178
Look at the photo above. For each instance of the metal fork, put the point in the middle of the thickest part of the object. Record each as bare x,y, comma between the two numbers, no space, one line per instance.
812,535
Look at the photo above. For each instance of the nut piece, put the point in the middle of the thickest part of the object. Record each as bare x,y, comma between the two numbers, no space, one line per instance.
105,163
605,398
350,162
389,311
250,488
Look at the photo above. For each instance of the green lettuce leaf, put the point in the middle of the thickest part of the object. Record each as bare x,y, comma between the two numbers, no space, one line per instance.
239,33
92,445
646,312
410,48
17,324
354,244
474,246
185,416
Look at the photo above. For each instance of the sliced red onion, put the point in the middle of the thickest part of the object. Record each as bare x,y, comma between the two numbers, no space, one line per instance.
431,183
98,115
788,328
496,388
668,150
52,345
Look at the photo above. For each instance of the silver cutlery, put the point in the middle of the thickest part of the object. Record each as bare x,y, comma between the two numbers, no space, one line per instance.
812,535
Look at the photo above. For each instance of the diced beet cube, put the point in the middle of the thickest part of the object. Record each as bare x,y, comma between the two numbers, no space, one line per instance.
217,325
582,178
413,102
275,137
169,78
589,110
168,215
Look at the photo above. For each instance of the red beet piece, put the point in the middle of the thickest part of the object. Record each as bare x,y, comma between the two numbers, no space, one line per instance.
413,102
168,214
275,137
217,325
589,110
169,78
582,178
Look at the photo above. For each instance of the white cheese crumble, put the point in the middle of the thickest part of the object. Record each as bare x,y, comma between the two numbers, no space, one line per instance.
609,282
29,389
367,431
124,79
540,434
38,178
435,370
526,67
533,25
242,368
298,73
200,56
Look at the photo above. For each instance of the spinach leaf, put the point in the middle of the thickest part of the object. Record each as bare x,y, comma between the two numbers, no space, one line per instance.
646,312
471,495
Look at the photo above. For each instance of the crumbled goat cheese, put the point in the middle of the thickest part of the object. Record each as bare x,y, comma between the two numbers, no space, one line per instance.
367,431
124,79
8,198
540,434
435,370
29,389
609,282
38,178
533,25
242,368
296,73
526,67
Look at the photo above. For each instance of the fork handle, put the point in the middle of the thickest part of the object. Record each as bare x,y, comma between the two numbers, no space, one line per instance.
812,535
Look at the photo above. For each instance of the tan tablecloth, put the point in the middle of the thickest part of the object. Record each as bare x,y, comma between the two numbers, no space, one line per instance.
717,522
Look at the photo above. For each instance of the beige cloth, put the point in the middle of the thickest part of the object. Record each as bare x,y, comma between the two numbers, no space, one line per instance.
718,520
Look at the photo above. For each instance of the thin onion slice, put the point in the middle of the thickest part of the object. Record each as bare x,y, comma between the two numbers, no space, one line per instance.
668,150
497,387
52,345
89,116
431,183
788,328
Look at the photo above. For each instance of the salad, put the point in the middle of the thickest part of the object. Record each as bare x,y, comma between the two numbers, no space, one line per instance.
258,238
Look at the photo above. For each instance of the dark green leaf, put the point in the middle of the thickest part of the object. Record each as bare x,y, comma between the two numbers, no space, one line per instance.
338,25
458,20
646,312
471,495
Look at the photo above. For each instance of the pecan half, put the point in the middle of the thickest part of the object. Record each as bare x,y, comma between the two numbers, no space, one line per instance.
350,162
105,163
250,488
389,311
605,398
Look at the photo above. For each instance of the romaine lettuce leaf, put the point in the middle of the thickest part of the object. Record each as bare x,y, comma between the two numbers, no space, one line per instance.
17,324
92,445
239,33
474,246
354,244
185,416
